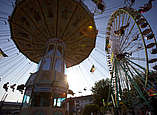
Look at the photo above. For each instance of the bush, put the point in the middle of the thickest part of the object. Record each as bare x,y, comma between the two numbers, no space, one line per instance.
90,108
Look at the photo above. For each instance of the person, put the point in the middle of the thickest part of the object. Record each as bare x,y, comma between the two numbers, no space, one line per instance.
92,69
5,86
132,2
146,7
99,4
126,54
71,92
129,3
13,87
121,31
21,88
136,37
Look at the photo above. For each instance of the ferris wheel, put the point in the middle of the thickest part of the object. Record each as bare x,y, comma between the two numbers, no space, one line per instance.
131,52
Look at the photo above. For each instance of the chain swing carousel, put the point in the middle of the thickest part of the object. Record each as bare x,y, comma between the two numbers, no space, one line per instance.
55,34
132,55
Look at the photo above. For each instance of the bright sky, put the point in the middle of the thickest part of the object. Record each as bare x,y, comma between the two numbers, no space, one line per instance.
16,68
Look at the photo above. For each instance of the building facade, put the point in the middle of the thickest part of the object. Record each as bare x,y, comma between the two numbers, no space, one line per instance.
9,108
75,105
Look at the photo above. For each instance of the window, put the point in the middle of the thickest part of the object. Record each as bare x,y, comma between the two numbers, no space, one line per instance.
50,50
60,49
58,53
58,65
65,69
58,101
26,101
46,63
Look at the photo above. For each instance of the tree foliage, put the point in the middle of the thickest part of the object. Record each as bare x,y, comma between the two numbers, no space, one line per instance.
101,91
90,108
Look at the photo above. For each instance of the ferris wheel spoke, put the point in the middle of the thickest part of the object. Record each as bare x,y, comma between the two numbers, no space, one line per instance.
138,70
136,76
119,80
134,84
126,37
131,46
140,75
136,64
139,46
123,80
123,17
128,22
119,21
137,49
131,73
124,22
137,58
114,25
143,77
131,40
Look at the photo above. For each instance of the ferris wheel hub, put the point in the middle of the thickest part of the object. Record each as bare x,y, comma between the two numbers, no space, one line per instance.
123,55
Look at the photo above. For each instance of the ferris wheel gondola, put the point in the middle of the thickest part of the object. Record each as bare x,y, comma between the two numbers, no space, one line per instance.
131,51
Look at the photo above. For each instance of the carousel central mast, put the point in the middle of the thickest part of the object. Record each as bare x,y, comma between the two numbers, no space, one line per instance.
50,82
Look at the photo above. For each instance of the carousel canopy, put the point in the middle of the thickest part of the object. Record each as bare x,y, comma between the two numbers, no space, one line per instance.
34,22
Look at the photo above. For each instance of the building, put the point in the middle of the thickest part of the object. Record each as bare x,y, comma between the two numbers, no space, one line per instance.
75,105
9,108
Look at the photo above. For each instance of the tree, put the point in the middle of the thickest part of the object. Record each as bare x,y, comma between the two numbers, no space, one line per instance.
101,91
90,108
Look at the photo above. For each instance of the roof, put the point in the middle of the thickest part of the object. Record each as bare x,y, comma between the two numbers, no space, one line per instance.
79,98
